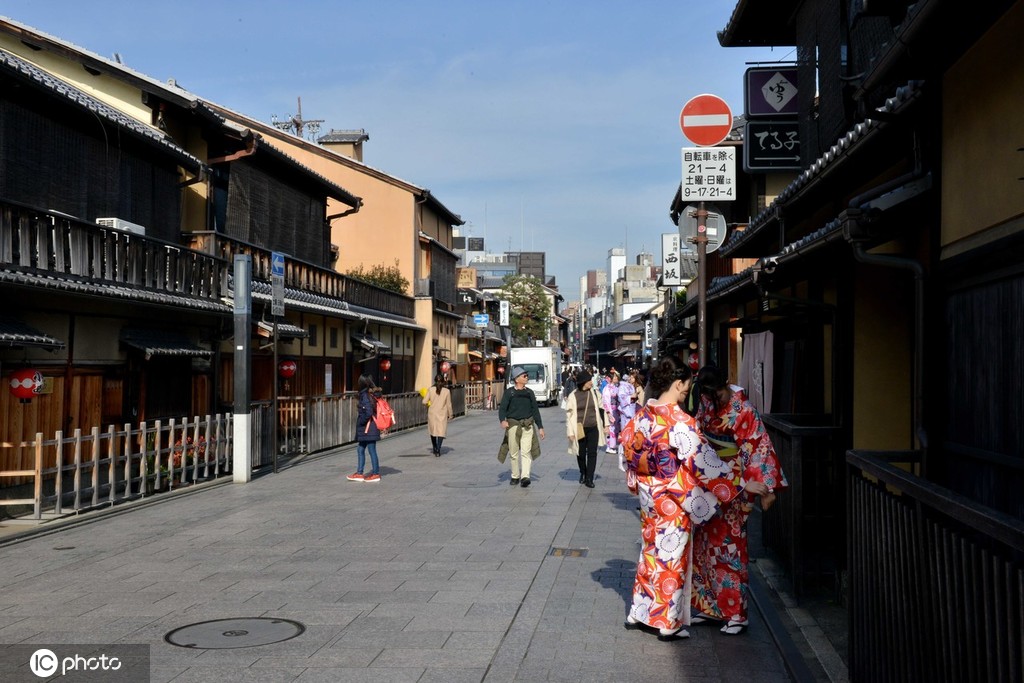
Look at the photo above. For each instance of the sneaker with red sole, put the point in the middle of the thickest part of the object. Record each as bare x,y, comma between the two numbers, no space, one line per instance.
356,477
372,478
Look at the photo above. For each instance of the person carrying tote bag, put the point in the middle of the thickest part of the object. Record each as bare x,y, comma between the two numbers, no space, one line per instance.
585,426
438,400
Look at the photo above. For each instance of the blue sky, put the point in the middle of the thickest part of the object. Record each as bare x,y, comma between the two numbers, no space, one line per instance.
548,126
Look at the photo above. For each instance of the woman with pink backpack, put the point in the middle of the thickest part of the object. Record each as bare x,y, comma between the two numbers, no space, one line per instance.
367,432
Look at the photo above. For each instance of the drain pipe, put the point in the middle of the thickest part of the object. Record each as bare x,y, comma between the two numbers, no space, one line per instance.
856,233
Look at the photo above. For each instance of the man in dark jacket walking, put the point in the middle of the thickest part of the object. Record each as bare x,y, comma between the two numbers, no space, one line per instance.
520,417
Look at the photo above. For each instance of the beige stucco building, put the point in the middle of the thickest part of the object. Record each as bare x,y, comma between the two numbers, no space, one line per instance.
398,224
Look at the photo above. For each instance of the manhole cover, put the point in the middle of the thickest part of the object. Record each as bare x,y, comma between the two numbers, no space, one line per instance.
568,552
469,485
226,634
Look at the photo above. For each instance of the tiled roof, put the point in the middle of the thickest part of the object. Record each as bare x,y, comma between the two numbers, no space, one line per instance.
633,325
283,329
371,343
344,136
30,73
112,291
268,130
162,343
169,90
14,332
331,187
721,285
840,149
318,303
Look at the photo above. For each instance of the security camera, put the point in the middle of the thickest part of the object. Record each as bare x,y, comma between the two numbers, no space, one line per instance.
769,264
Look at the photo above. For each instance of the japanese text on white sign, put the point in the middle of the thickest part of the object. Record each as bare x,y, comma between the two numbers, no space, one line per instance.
670,271
709,173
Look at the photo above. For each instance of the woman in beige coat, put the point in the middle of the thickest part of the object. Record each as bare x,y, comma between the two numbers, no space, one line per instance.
439,410
585,426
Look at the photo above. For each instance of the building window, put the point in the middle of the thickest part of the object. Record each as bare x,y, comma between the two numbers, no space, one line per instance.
312,335
334,337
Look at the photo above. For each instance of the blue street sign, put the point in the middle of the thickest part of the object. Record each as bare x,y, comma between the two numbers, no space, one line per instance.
481,319
277,264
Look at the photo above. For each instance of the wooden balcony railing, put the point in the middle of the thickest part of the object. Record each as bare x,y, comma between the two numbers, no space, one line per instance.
307,277
44,243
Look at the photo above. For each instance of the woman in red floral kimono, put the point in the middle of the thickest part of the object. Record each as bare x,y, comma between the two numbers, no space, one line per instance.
681,482
720,577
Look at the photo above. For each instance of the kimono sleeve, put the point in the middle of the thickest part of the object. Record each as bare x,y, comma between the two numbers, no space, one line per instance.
753,441
709,482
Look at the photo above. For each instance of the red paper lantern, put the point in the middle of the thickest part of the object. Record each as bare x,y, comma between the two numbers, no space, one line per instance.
693,361
287,368
475,367
26,384
385,364
446,366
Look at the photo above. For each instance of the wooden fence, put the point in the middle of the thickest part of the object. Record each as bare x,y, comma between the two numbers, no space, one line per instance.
317,423
484,395
83,471
99,468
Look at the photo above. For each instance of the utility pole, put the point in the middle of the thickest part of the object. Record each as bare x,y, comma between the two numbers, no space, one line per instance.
297,125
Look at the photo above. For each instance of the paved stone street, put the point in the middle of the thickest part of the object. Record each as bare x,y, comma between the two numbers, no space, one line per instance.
440,572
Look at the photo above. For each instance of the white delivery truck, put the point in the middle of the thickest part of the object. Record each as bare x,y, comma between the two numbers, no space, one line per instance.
543,365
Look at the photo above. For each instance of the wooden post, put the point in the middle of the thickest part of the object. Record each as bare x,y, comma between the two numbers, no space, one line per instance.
37,505
95,434
77,436
58,482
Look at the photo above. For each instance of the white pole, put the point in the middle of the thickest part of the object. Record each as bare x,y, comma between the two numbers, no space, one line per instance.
242,434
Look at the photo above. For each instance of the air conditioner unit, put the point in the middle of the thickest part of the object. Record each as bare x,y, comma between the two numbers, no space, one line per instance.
119,224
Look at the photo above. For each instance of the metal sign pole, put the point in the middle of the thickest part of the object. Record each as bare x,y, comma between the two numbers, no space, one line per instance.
274,434
701,240
277,263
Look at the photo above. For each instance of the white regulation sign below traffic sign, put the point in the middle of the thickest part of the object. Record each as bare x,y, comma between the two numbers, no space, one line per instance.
709,174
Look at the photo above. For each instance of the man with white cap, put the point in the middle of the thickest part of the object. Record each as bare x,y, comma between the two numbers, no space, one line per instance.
520,417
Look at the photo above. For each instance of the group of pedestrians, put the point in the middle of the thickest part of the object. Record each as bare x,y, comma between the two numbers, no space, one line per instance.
438,400
695,453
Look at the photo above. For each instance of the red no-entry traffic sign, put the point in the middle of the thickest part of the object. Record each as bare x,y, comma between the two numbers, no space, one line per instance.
706,120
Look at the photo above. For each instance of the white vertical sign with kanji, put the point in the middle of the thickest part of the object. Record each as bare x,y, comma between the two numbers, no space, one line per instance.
671,274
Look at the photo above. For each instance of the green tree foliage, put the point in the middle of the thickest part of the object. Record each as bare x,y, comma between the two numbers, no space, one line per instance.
529,308
681,297
386,277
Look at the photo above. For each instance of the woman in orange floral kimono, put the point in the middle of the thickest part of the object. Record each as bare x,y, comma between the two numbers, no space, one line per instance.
720,576
681,482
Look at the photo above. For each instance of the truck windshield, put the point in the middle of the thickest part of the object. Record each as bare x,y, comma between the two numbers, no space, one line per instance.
534,372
